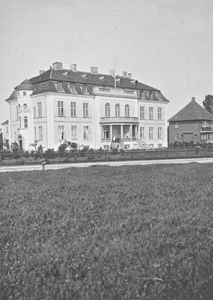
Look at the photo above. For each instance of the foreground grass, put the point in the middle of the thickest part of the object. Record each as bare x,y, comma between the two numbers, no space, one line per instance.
107,233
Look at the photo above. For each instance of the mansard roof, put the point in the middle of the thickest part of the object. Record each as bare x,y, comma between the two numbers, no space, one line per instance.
49,80
192,112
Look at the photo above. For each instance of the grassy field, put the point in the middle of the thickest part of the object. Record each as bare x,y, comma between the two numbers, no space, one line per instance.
107,233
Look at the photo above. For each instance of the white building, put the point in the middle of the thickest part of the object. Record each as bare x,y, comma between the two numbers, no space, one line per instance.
87,108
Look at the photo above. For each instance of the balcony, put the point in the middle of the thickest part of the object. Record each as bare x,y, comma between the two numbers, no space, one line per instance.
207,129
119,92
119,120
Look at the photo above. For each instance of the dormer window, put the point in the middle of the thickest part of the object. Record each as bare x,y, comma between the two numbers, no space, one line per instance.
24,93
59,87
84,89
71,88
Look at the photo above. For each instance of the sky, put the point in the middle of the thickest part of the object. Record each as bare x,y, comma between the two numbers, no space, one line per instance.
166,44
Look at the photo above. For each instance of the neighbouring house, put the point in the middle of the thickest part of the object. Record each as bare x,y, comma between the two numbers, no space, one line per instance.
192,124
87,108
5,133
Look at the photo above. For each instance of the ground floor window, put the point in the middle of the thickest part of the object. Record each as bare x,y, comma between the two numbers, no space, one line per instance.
40,133
86,132
159,133
73,132
142,136
106,133
61,132
150,133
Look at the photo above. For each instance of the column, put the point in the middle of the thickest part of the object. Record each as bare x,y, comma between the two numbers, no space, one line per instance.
122,132
130,132
110,126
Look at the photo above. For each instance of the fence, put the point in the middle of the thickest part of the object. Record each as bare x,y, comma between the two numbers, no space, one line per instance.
78,156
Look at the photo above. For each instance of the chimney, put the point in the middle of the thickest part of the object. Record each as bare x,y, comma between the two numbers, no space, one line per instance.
73,67
94,70
41,72
57,66
125,74
193,99
130,75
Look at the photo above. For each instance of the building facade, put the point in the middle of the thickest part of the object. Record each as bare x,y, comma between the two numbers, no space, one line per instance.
87,108
192,124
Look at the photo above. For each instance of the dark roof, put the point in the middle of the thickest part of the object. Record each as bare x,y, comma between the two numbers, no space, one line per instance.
25,85
12,96
192,112
5,122
47,82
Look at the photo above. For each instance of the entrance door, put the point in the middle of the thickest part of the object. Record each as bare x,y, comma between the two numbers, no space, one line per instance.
20,144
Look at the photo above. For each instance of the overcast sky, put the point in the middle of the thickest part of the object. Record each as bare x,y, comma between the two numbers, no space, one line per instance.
167,44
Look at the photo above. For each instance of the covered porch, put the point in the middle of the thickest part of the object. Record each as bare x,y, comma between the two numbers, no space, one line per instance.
119,132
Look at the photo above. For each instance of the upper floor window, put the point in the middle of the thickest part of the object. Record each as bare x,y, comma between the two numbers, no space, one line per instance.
24,106
17,113
7,130
60,108
39,109
142,113
150,113
159,113
85,110
176,125
127,110
24,93
107,110
34,112
19,122
73,109
117,110
25,122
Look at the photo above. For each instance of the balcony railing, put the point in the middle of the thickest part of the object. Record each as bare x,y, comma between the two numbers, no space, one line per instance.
119,120
207,129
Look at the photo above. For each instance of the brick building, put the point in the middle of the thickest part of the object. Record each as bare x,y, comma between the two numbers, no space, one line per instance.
192,124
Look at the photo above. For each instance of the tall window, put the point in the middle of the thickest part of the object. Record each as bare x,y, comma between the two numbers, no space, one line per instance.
86,132
73,132
19,122
39,109
34,112
60,108
40,133
61,132
159,113
7,130
107,110
150,113
117,110
142,133
127,110
142,113
85,110
35,134
150,133
106,133
25,122
159,132
17,112
73,109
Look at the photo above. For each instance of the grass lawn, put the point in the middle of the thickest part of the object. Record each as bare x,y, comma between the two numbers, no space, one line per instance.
131,232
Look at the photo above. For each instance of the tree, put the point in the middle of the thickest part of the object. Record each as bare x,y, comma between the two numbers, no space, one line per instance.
208,103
